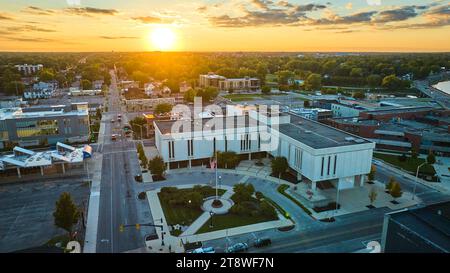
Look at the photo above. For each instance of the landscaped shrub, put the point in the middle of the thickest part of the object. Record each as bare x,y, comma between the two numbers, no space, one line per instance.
282,189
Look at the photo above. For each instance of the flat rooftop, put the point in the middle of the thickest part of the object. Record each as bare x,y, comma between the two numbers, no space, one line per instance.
399,110
318,135
165,127
432,223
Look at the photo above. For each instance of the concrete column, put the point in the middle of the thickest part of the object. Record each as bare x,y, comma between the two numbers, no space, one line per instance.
299,176
190,163
42,170
362,180
314,185
250,156
18,172
63,168
168,166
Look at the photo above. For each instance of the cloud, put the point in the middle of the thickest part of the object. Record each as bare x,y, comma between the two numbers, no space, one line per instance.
29,28
5,17
360,17
349,5
25,39
118,37
89,11
153,20
435,17
38,11
267,14
398,14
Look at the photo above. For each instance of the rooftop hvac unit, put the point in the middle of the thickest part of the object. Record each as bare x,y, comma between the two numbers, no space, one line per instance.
358,140
349,138
308,132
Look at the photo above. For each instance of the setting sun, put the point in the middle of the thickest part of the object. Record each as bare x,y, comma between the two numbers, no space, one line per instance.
163,38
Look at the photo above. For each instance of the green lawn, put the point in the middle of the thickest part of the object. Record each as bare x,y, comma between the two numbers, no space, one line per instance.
249,97
232,220
409,165
179,214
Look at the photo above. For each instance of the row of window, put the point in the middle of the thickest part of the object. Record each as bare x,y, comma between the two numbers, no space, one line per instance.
246,144
328,165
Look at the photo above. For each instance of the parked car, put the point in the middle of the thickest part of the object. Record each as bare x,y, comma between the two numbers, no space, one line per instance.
112,120
138,178
203,250
262,242
114,137
239,247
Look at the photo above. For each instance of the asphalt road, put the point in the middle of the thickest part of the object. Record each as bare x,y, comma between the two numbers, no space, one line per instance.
119,204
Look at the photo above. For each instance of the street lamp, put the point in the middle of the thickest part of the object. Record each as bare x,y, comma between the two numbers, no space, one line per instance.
211,214
415,181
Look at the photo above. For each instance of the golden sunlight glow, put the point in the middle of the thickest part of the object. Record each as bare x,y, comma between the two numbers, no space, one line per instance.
163,38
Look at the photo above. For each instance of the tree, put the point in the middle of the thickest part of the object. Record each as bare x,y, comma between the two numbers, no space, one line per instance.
359,95
306,104
268,210
190,95
279,166
86,84
391,82
313,82
14,88
373,194
284,76
243,192
390,183
163,108
374,80
140,77
396,190
414,154
46,75
228,160
266,89
431,158
372,172
157,166
66,213
208,93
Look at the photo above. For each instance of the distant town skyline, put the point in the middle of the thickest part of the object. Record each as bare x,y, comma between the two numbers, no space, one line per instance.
235,25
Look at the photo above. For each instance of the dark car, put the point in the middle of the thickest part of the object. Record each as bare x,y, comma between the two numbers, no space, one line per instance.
262,242
138,178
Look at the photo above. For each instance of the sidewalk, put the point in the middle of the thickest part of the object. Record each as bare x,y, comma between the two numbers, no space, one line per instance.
432,185
90,243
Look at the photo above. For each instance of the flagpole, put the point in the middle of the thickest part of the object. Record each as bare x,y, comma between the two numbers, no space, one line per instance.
216,165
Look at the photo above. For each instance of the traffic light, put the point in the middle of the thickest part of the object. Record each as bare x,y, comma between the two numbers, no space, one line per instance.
138,226
121,228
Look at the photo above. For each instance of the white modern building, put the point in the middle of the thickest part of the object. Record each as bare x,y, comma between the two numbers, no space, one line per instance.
315,152
62,157
29,68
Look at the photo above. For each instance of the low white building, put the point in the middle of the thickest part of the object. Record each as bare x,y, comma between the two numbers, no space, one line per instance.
316,152
29,68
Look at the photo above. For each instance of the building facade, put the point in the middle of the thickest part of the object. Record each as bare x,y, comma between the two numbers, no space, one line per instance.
225,84
315,152
136,105
29,68
44,125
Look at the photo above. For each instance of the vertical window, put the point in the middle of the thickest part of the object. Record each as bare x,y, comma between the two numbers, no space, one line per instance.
321,170
173,149
328,169
335,162
259,141
190,144
226,144
214,145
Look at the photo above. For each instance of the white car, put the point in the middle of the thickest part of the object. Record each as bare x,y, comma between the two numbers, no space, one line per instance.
203,250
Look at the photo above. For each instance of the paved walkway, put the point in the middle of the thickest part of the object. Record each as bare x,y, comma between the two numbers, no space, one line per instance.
432,185
442,171
176,243
90,242
197,224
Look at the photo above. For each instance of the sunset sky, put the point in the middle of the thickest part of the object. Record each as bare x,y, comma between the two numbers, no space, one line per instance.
234,25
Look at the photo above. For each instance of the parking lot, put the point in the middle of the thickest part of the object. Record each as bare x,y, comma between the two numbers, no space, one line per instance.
26,211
